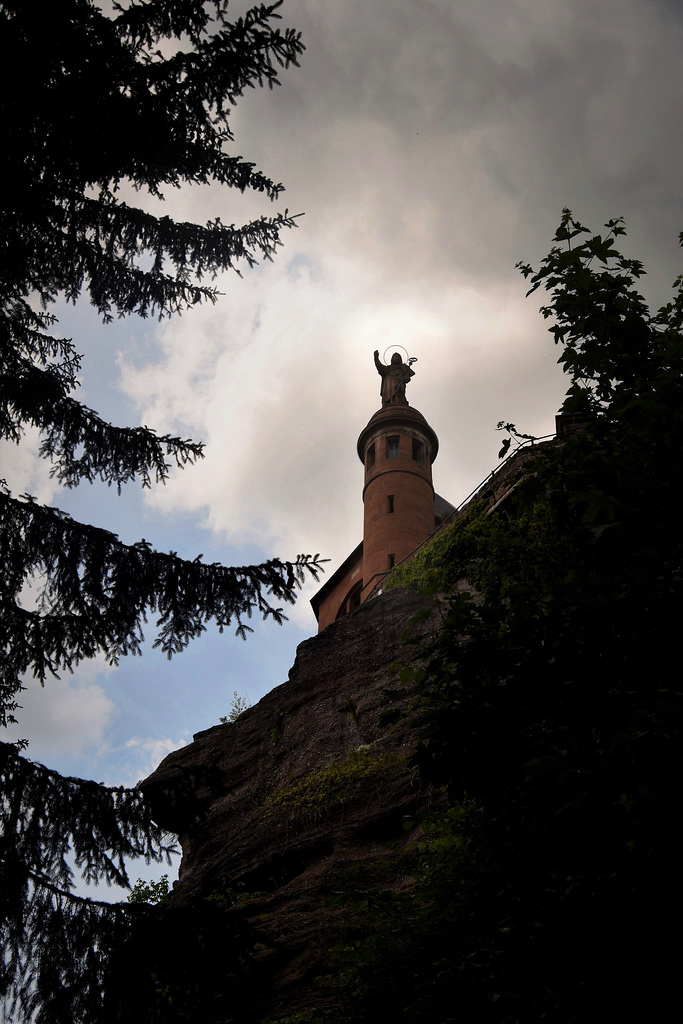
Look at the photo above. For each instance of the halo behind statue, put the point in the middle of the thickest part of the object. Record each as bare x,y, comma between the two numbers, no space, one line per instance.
392,348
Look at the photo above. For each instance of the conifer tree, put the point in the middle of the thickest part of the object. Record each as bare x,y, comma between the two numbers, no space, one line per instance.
139,94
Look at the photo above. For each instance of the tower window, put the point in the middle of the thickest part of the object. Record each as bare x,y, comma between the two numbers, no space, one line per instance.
392,447
371,456
392,561
418,450
390,503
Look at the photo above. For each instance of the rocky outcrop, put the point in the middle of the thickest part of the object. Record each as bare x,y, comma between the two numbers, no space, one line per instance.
304,793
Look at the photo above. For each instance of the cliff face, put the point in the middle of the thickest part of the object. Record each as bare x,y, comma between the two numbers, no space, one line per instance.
303,793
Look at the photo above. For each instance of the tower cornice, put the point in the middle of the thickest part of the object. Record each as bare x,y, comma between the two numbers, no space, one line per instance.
397,417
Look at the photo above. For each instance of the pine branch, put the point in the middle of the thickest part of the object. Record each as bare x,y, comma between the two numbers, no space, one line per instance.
49,816
57,952
22,329
47,933
95,592
223,65
97,245
78,442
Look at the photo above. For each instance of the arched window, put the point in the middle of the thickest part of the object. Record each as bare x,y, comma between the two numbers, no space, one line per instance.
351,601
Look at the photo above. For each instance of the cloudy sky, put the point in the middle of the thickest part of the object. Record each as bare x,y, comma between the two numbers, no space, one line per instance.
430,144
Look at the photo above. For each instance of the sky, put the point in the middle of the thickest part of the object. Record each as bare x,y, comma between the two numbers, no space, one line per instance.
429,145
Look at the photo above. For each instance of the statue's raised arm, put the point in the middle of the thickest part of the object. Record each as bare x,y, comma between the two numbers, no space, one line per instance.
395,376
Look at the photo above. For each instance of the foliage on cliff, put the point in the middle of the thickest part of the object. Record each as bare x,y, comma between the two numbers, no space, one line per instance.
327,788
552,708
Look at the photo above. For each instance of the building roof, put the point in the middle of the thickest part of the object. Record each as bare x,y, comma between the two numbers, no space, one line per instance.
330,583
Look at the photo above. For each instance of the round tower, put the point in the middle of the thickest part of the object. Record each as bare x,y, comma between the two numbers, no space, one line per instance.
397,448
401,511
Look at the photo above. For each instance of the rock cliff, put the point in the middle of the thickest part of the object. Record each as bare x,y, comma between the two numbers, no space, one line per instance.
304,793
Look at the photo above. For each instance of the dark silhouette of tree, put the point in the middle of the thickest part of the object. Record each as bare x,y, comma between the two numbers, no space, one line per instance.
140,95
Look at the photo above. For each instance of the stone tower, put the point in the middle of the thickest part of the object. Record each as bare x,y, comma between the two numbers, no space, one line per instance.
397,448
401,510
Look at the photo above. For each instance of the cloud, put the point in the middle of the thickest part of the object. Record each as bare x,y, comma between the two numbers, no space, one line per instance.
68,716
73,725
431,145
280,409
144,754
24,470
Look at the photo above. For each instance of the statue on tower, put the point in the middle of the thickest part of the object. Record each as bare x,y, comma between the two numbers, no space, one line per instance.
395,375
